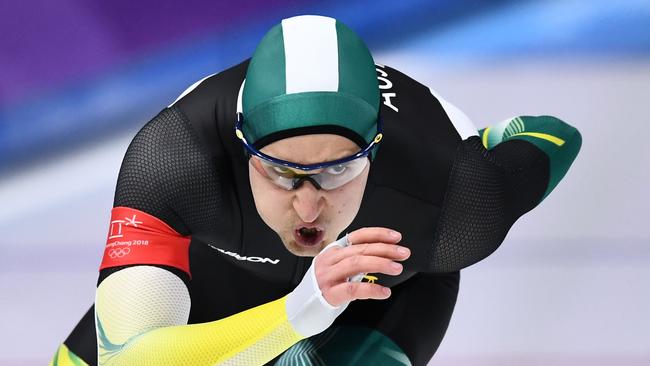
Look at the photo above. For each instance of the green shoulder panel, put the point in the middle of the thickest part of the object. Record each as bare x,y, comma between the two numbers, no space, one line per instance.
345,345
560,141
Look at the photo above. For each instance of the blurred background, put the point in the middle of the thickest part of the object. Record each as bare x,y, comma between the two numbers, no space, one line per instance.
569,286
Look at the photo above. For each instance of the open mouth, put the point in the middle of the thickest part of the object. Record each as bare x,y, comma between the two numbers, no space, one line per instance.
309,236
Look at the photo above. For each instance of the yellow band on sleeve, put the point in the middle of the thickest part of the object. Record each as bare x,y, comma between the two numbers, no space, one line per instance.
65,357
252,337
485,137
556,140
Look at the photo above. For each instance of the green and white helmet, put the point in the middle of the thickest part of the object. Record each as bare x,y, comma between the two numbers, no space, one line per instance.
310,74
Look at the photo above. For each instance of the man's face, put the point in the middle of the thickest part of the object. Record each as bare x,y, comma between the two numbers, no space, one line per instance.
286,211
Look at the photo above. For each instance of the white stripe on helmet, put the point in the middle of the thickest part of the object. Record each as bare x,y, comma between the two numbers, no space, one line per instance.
311,54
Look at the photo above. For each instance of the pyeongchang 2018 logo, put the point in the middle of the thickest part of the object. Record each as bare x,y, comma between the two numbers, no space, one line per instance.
116,226
121,248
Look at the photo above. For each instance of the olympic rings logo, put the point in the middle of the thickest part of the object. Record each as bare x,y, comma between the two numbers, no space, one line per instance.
118,252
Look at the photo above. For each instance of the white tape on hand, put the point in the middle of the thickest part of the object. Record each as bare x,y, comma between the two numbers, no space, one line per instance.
307,310
345,242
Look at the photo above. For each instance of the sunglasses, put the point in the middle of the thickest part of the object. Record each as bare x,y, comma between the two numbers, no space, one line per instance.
288,175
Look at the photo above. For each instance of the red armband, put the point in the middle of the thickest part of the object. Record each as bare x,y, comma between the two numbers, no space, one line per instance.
135,237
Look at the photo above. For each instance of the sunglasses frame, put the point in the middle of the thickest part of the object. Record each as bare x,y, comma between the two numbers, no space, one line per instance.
253,151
